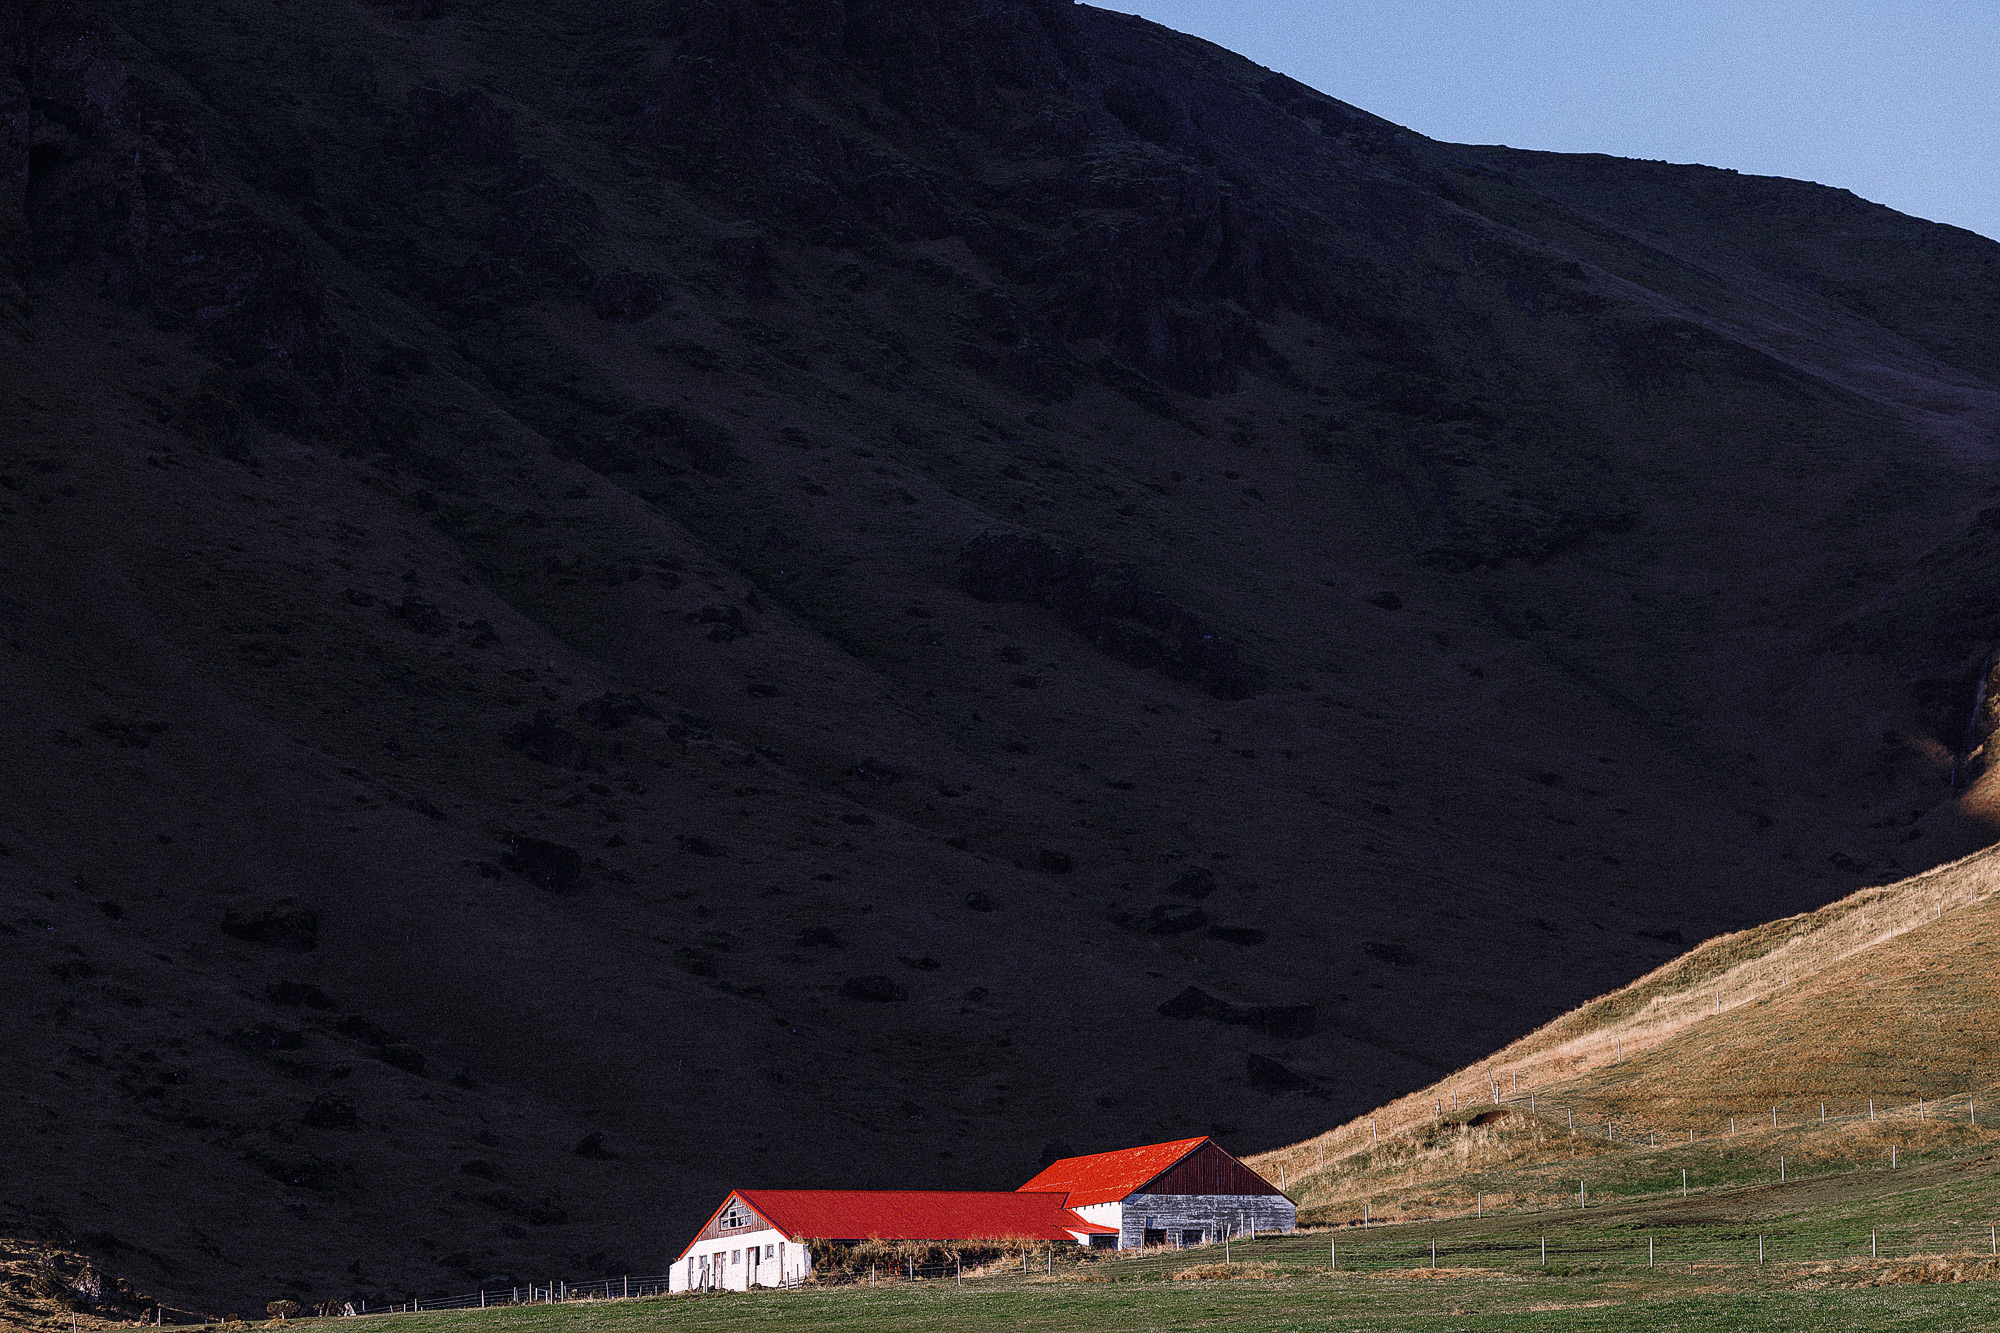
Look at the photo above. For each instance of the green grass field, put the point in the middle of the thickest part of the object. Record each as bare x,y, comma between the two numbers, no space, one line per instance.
1934,1269
1452,1303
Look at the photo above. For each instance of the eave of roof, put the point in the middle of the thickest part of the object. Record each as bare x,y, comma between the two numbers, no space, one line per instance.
917,1214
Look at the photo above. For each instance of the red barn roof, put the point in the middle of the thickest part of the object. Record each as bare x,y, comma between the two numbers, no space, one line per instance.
1107,1177
918,1214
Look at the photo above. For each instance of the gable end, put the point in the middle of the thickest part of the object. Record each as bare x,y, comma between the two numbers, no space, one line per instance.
1209,1169
734,1218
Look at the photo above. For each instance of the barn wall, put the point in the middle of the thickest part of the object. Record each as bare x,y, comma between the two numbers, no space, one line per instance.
1210,1214
1209,1170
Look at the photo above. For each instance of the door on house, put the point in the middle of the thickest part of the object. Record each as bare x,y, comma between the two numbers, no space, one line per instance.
754,1258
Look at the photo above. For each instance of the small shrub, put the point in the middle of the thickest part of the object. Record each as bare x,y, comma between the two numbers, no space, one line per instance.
1220,1273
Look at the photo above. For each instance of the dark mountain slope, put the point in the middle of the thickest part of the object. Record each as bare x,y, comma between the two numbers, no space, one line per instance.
838,594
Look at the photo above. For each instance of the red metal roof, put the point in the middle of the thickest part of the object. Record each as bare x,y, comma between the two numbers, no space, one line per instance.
919,1214
1107,1177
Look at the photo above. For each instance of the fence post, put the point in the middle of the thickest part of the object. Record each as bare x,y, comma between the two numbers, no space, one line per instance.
1545,1251
1760,1249
1871,1110
1649,1251
1434,1252
1871,1244
1781,1168
1579,1194
1684,1182
1333,1255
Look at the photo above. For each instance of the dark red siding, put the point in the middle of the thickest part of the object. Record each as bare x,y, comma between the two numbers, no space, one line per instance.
1208,1170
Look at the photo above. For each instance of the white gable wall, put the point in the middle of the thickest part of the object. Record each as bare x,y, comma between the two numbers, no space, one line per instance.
739,1261
1104,1214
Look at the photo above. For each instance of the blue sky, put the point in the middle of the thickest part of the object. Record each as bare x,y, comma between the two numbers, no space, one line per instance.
1897,101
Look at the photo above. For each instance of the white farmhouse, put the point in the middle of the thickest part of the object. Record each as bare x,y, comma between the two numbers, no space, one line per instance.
756,1239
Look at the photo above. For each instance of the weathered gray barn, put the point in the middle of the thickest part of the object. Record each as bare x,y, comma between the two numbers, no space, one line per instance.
1188,1192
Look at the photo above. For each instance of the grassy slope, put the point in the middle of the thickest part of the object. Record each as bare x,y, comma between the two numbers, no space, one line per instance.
1879,996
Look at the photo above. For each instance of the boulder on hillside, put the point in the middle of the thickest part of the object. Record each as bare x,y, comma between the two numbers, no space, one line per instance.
285,924
1197,884
628,297
1175,919
547,865
547,741
879,989
1284,1021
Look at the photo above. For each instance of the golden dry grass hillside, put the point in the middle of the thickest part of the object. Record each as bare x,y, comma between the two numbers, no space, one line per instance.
1836,1033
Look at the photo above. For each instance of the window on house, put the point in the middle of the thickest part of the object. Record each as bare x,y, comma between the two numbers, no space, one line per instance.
770,1251
734,1216
736,1256
1190,1238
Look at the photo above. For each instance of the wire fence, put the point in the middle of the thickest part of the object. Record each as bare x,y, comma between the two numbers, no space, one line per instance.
552,1292
1633,1248
1295,1166
1949,1249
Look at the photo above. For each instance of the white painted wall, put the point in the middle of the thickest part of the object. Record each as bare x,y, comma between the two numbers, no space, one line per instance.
739,1261
1104,1214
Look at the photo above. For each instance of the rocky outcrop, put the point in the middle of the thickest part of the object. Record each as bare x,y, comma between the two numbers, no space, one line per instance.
1109,604
108,183
1273,1020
